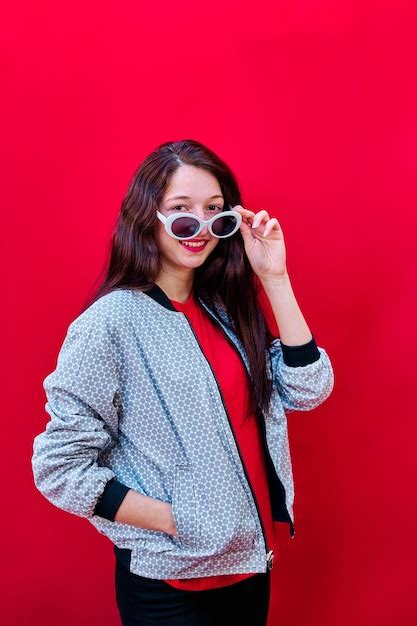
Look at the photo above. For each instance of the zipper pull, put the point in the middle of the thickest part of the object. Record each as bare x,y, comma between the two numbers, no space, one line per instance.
270,559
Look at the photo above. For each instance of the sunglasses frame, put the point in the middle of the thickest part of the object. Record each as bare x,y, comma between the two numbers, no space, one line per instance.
167,221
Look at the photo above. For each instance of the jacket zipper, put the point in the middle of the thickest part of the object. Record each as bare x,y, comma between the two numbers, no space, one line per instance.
270,554
263,434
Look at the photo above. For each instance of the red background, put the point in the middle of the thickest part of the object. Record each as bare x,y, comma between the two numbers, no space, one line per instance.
313,104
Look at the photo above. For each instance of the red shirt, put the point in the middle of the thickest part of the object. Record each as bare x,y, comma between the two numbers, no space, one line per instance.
232,378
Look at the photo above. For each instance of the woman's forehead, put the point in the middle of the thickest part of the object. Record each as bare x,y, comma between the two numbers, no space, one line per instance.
193,184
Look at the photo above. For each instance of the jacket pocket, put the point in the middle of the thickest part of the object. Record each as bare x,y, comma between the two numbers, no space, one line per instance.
184,508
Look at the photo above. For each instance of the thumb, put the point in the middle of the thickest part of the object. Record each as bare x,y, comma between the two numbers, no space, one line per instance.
246,233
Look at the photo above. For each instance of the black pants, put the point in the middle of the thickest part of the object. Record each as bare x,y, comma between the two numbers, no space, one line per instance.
147,601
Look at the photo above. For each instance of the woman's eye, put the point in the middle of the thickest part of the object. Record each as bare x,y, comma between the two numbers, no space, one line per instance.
211,208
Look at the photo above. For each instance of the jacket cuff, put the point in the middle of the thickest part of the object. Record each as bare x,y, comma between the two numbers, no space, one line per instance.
110,500
298,356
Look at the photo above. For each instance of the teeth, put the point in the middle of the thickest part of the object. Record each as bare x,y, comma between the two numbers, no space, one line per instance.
193,244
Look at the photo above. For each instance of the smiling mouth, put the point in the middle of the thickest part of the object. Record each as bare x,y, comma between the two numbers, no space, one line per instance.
194,246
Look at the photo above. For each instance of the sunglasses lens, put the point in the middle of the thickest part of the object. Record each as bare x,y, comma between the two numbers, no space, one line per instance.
224,225
184,227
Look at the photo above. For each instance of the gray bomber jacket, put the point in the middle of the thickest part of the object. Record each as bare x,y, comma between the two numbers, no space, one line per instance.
134,403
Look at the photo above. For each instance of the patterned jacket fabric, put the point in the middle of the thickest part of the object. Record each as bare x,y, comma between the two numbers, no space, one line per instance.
133,403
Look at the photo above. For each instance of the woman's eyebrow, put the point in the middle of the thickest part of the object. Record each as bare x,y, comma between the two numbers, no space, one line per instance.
188,198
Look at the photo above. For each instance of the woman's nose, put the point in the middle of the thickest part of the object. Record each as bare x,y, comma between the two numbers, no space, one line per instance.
202,215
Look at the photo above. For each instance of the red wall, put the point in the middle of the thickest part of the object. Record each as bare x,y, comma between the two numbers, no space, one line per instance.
314,106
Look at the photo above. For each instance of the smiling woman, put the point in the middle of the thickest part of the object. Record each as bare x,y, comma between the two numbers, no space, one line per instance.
143,254
168,427
179,258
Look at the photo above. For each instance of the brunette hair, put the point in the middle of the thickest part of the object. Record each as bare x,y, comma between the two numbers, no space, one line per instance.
134,259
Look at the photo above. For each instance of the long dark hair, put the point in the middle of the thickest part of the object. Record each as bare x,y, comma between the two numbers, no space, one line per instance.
135,262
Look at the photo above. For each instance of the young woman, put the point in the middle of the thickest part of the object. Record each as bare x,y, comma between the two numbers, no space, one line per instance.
168,403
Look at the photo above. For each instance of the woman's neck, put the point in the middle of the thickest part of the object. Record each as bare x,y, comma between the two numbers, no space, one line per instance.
177,288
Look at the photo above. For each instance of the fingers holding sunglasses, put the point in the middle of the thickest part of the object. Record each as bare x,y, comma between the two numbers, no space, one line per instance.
245,213
255,220
251,217
240,208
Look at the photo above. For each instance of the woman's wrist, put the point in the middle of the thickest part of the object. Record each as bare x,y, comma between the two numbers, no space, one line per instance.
293,328
146,512
169,523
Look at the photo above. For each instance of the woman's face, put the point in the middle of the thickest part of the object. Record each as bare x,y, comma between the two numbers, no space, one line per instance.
203,198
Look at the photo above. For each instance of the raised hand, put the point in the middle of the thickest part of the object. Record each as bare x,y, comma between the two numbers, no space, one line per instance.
264,243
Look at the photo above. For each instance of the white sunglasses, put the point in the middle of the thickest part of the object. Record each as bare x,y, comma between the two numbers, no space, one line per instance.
186,226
